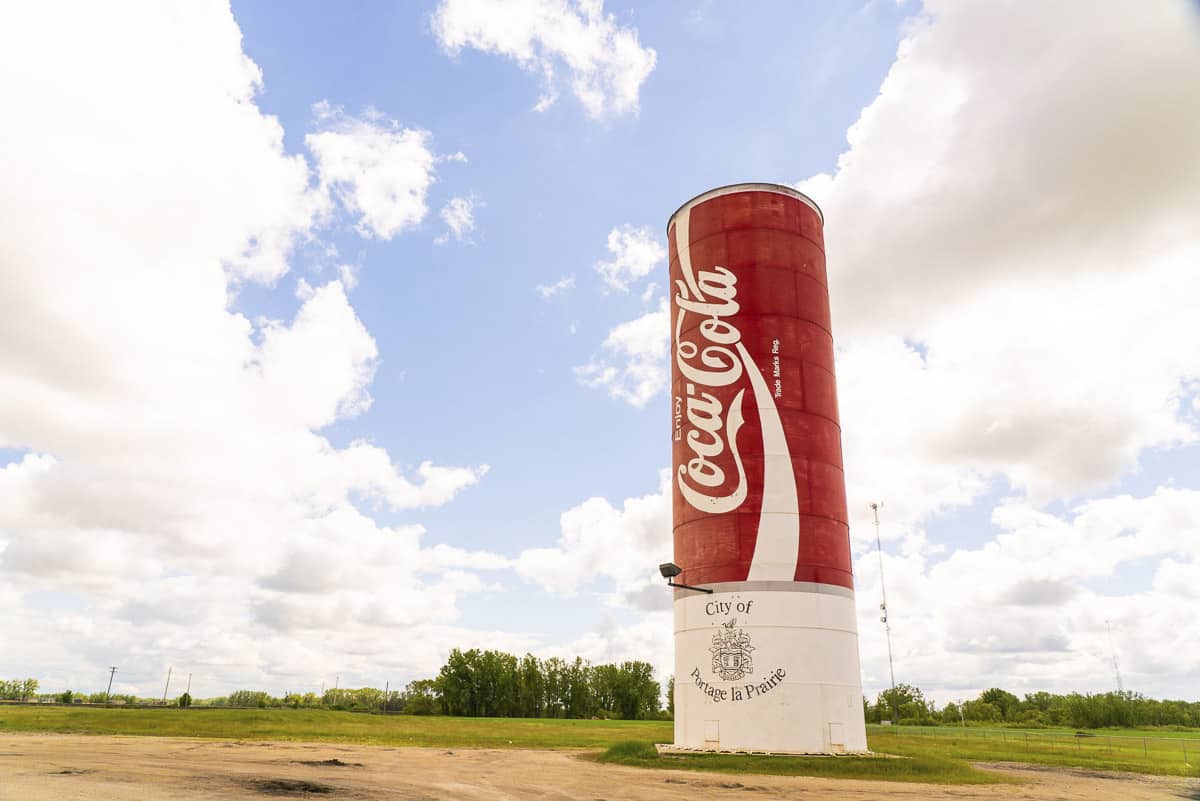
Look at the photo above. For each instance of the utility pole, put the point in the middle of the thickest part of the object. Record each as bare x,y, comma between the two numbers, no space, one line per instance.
167,685
1116,665
337,680
112,671
883,618
386,685
189,686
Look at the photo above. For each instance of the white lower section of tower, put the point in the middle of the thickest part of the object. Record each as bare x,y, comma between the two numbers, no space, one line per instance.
768,666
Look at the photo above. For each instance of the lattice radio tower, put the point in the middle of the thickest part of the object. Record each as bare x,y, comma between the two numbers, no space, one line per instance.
883,617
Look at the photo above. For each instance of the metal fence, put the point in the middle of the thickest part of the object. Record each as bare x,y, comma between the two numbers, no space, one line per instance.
1128,747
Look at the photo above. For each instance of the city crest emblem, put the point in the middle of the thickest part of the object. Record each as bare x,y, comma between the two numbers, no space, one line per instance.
731,653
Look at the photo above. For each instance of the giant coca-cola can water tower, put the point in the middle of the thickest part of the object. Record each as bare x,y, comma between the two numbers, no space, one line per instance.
769,660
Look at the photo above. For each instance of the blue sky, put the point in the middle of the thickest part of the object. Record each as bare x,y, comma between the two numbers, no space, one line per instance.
240,321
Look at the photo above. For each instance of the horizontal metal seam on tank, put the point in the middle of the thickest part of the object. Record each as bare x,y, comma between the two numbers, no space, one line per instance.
837,423
824,284
823,417
814,587
678,594
823,517
814,323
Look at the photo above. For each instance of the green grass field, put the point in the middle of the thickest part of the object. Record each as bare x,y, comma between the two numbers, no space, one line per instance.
1163,753
940,755
329,726
927,767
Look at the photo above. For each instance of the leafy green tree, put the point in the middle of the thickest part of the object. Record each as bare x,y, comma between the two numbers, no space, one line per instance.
253,698
637,693
554,674
904,704
1006,702
422,697
981,711
185,700
532,687
18,689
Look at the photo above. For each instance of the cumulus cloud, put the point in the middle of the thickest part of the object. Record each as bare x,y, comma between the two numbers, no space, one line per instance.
1031,199
635,253
1025,609
633,363
459,216
605,65
648,639
177,500
997,340
378,169
251,230
599,540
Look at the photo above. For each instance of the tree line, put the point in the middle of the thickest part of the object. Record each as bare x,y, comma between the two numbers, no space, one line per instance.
27,690
18,689
908,706
496,684
486,683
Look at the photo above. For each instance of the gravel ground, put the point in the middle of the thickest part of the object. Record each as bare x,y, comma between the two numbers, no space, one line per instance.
45,767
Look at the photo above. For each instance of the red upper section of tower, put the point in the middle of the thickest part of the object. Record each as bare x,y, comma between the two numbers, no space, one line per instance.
758,487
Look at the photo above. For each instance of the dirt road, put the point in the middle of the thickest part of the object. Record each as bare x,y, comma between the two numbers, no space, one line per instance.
87,768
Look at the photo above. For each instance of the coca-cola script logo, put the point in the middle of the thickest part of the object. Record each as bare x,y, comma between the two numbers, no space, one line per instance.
719,360
712,356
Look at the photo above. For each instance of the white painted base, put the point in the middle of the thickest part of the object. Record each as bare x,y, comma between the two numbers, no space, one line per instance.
801,692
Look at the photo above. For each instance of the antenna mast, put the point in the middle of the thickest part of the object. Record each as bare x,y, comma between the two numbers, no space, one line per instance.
883,618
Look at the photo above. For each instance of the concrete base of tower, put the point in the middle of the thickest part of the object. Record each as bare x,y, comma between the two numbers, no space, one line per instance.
768,667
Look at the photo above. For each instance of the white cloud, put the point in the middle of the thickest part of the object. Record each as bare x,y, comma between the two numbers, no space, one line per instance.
633,364
599,540
564,284
250,230
1019,326
177,502
376,168
348,275
605,64
648,293
636,252
1023,610
614,641
997,336
459,216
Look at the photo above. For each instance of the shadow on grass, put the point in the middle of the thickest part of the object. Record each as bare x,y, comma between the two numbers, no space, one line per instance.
925,768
